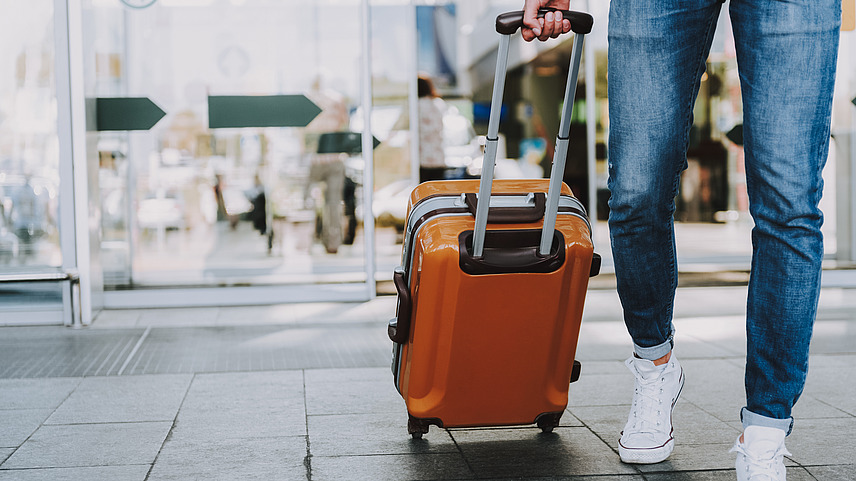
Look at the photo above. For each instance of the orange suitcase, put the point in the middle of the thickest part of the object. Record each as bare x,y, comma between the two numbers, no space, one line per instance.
490,294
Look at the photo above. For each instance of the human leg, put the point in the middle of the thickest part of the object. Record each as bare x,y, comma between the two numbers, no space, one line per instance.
787,56
657,54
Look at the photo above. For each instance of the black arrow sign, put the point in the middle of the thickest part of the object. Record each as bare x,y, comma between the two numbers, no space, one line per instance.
126,113
736,134
343,142
260,111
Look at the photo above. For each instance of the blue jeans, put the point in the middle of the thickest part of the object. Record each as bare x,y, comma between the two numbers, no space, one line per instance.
786,53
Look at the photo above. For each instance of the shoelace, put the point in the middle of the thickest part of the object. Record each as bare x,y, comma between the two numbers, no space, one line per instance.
648,399
759,468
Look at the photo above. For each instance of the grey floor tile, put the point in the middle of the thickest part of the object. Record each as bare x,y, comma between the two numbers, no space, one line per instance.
602,305
722,475
605,421
35,393
252,387
794,474
846,472
706,301
247,422
601,390
715,386
695,457
117,318
353,397
90,445
368,434
260,348
530,453
698,347
255,315
16,425
123,399
834,336
610,477
232,459
598,368
691,424
810,407
338,376
95,473
816,442
180,317
4,454
243,405
832,380
694,426
412,467
604,341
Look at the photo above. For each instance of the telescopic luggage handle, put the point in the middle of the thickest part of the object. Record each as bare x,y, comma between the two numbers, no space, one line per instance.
506,25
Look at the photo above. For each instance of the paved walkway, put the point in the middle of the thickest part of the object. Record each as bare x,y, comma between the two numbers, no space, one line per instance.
304,392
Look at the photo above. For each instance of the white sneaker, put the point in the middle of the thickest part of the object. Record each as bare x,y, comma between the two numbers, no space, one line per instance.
647,436
760,457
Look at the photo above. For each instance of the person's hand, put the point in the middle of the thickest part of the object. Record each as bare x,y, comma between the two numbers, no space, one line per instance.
551,26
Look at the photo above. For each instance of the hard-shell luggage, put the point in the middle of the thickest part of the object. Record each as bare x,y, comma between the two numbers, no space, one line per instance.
491,285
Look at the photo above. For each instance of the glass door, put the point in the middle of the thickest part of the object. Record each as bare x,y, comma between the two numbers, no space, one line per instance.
254,175
29,164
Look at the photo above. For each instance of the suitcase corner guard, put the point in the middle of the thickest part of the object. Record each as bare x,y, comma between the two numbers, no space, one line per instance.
595,264
399,326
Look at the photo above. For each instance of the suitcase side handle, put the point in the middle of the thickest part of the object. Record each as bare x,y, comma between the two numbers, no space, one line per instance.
508,23
399,327
510,215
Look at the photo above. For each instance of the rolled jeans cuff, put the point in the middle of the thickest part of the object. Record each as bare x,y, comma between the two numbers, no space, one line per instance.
752,419
653,353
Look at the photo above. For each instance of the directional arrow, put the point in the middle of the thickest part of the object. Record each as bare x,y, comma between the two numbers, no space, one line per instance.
126,113
343,142
853,101
736,134
260,111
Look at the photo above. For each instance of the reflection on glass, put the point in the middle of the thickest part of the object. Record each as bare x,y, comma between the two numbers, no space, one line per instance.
186,204
29,159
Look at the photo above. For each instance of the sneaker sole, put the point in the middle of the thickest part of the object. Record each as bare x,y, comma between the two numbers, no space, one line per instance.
646,456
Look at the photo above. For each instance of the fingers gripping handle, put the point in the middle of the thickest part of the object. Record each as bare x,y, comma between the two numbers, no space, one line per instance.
508,23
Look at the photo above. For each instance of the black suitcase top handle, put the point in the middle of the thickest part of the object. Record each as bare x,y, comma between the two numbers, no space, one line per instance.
508,23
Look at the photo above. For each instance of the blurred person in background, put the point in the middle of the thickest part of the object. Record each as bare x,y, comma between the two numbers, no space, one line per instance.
786,55
432,159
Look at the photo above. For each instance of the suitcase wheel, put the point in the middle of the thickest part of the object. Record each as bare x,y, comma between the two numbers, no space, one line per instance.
416,427
548,421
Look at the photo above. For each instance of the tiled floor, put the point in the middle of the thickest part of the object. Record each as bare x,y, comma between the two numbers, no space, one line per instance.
304,392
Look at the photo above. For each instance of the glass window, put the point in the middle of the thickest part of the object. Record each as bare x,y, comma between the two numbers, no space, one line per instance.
29,158
204,198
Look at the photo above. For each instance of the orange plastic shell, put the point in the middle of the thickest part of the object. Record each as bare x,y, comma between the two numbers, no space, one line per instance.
493,349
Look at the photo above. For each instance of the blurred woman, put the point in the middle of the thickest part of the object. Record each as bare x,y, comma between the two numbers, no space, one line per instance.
432,159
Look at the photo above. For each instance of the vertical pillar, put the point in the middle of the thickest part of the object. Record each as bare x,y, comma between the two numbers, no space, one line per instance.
368,151
71,132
